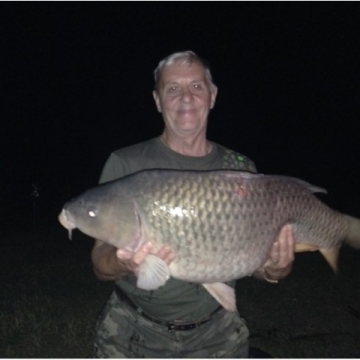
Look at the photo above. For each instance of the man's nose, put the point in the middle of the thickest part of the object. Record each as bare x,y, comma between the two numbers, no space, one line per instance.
186,95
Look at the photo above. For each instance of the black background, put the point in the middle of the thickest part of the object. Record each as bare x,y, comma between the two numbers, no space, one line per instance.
77,82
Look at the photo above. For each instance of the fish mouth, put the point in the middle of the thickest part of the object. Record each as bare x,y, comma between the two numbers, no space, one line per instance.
66,222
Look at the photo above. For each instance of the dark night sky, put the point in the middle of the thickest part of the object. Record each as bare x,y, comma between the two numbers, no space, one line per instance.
78,81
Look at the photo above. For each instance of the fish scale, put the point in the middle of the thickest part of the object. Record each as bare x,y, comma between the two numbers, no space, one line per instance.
221,225
218,204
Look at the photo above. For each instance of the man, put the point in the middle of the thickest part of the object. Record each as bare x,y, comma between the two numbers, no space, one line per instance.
179,319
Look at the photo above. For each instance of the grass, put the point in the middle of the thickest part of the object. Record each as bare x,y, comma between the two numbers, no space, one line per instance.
50,300
312,313
49,297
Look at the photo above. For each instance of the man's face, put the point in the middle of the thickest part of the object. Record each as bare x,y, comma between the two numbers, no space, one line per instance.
184,98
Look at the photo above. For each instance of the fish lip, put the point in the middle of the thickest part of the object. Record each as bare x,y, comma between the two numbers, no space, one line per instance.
66,222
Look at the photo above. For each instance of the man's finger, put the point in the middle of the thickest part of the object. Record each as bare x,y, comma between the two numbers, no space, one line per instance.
275,252
287,245
291,244
140,255
123,254
166,254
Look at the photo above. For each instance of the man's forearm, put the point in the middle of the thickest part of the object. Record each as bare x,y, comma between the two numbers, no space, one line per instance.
107,267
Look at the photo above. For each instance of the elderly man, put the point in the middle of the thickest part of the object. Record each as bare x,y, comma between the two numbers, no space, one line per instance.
180,319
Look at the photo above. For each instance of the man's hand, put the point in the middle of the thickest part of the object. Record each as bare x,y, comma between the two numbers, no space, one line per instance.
111,263
279,263
131,261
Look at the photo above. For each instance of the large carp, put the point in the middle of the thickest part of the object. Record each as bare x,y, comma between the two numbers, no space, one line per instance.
221,225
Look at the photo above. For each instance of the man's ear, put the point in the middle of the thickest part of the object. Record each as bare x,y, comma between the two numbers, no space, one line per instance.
157,100
214,91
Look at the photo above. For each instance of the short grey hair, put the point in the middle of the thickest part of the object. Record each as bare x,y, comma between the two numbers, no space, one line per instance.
185,57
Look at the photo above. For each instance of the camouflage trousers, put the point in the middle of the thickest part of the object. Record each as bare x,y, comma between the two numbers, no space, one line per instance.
121,332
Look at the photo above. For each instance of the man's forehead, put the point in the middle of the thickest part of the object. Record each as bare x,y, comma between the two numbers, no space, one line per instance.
178,70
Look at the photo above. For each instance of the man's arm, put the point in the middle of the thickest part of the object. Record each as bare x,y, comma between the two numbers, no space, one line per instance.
111,263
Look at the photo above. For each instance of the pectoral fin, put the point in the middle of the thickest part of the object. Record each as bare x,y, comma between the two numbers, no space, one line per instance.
224,294
153,273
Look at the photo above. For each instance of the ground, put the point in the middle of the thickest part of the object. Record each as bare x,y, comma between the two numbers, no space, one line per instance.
50,300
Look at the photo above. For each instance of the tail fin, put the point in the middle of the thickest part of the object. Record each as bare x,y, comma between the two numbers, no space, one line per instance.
353,234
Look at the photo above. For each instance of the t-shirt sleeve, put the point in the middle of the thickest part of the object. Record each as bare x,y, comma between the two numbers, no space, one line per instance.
113,169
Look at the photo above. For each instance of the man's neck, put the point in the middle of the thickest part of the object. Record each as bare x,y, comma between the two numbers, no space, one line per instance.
190,145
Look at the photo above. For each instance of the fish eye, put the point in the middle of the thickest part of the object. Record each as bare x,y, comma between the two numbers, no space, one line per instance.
92,213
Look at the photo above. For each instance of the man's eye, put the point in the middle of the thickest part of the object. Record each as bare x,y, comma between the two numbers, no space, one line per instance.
173,89
197,86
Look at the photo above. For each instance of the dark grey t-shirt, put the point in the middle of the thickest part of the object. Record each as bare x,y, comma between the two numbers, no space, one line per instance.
176,299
